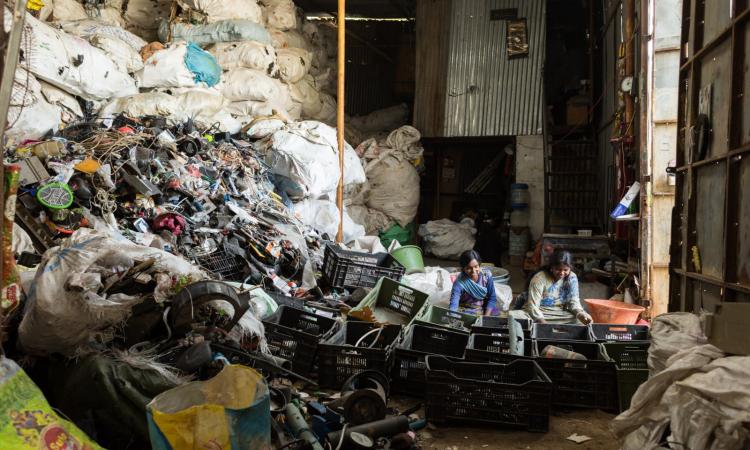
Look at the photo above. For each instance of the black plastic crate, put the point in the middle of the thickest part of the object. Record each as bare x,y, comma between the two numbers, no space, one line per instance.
419,341
293,334
484,347
339,358
561,332
590,383
631,361
606,332
517,394
492,322
435,316
390,302
350,269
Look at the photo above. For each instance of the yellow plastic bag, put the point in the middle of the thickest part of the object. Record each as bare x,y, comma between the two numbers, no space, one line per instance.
27,421
230,411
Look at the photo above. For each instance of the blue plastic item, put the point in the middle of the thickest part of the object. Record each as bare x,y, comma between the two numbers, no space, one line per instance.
203,65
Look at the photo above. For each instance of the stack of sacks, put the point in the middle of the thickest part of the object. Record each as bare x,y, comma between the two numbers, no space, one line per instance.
303,157
391,194
182,78
49,79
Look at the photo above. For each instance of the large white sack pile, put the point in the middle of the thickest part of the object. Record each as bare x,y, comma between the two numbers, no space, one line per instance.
227,65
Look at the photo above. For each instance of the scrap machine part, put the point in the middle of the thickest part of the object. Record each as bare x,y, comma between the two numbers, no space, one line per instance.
187,303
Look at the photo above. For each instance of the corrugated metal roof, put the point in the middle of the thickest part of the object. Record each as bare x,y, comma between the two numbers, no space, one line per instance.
489,94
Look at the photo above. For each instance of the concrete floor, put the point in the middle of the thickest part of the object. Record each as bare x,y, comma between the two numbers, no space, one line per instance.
593,424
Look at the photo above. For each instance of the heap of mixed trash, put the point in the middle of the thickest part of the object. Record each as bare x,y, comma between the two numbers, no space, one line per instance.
169,273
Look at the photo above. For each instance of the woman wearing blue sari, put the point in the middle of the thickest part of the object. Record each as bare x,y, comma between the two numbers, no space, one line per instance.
473,291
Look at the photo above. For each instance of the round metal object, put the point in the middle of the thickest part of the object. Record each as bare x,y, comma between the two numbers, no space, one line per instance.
55,195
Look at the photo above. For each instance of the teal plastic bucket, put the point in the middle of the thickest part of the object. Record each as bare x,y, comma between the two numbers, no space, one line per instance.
409,256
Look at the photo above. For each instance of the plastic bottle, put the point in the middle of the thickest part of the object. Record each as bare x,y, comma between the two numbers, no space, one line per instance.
551,351
624,204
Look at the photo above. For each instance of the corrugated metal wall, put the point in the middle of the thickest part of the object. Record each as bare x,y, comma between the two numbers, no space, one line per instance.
433,20
487,94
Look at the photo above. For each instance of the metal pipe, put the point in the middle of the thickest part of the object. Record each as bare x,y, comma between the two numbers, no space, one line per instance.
386,427
8,63
629,19
341,19
299,427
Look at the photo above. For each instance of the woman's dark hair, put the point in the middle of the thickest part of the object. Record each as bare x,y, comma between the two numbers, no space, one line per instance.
467,256
560,258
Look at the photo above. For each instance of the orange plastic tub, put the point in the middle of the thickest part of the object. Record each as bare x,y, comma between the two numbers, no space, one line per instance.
613,311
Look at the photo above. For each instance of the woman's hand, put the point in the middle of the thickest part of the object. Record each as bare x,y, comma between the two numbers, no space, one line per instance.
542,321
584,317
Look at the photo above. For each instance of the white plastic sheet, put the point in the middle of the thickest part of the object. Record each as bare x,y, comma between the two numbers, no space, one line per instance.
63,309
323,217
434,281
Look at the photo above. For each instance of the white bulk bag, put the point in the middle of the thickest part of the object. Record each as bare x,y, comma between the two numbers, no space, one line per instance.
123,55
89,28
327,113
30,116
447,239
143,17
71,110
285,39
394,188
71,63
166,68
216,10
293,63
248,84
280,14
146,104
65,10
306,153
198,101
247,54
307,95
383,119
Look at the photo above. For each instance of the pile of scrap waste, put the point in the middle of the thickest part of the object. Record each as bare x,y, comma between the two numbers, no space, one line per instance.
170,206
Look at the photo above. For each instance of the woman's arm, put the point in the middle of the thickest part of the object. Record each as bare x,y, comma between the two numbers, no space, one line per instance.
536,294
455,295
574,302
491,295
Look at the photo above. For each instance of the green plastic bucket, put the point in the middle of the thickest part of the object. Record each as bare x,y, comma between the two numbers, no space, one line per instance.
410,256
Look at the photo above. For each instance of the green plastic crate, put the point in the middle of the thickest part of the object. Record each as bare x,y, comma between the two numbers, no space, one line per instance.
631,363
393,302
436,316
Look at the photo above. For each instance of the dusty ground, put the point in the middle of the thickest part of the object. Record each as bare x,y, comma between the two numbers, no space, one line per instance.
590,423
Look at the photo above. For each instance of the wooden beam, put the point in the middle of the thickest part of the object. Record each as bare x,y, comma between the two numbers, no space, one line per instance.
341,19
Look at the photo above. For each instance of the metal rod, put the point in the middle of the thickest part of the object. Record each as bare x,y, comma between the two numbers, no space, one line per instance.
341,19
6,85
629,13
